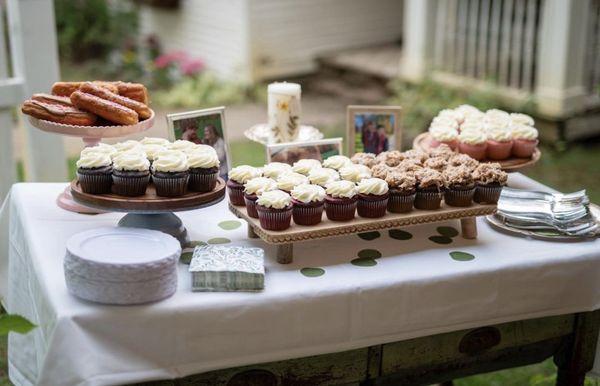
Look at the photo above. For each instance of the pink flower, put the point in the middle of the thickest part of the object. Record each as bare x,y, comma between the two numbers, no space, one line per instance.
191,66
167,59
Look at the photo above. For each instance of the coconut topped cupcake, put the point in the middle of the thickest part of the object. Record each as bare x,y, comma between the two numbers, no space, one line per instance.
274,169
276,199
308,193
337,162
436,163
458,177
259,185
203,160
410,165
419,155
152,150
341,189
241,174
521,119
380,171
430,179
463,159
155,141
367,159
390,158
354,172
127,146
93,160
524,132
490,173
132,160
442,151
287,181
181,144
372,186
323,176
304,166
402,181
171,161
100,148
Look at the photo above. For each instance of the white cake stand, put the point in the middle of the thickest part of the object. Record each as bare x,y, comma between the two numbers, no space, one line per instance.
261,133
91,136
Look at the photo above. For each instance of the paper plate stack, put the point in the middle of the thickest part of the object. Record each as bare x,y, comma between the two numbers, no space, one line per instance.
122,265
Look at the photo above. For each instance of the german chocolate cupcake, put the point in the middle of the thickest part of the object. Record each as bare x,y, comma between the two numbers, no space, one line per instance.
274,210
238,176
94,173
287,181
489,179
304,166
443,151
253,188
336,162
411,165
402,191
372,197
274,169
460,187
463,160
170,174
354,173
436,163
430,187
341,200
204,170
390,158
415,154
367,159
380,171
323,176
131,174
308,201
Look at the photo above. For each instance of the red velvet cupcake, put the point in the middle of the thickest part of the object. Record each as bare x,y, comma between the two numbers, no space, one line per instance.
238,176
253,188
308,201
372,197
274,210
341,200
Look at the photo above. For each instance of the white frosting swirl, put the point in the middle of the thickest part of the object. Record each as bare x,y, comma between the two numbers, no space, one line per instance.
444,134
323,176
93,160
152,150
181,144
259,185
521,119
355,173
451,114
343,188
467,110
304,166
337,162
241,174
202,159
497,114
375,186
524,132
131,160
128,145
118,154
472,137
171,161
444,122
498,134
100,148
155,141
275,199
287,181
274,169
200,148
308,193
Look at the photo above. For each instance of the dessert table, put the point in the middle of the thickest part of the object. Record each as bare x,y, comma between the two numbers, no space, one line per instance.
419,304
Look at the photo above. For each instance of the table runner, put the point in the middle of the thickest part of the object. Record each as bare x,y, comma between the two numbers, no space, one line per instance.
339,294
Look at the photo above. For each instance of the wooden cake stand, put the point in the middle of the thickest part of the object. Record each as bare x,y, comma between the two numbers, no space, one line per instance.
513,164
91,136
327,228
151,211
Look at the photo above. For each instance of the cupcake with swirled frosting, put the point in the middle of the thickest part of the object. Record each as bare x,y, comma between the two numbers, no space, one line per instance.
274,210
304,166
354,172
287,181
94,172
253,189
200,148
341,200
308,203
152,150
499,142
100,148
525,140
181,145
204,170
444,135
131,174
238,176
473,143
337,162
155,141
170,173
323,176
274,169
128,145
373,196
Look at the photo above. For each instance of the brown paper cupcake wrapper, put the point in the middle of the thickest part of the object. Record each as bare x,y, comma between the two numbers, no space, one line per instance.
203,182
459,197
401,203
487,194
340,211
274,219
372,208
236,193
170,186
428,200
129,185
251,206
95,183
307,214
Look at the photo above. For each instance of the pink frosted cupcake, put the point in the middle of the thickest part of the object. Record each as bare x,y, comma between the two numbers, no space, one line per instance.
444,135
473,143
525,140
499,143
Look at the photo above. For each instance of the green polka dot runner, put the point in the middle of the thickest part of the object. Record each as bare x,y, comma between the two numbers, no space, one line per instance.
312,271
230,225
440,239
369,254
364,262
461,256
399,234
219,240
447,231
369,235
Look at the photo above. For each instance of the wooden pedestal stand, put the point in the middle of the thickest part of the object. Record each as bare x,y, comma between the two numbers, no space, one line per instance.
285,239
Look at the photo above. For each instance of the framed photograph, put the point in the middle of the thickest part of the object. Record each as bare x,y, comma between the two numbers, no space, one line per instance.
291,152
373,129
206,127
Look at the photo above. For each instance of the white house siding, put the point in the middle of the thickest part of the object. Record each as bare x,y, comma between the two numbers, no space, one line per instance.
287,35
215,31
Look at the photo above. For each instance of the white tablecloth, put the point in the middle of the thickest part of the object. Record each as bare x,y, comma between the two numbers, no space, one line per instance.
415,289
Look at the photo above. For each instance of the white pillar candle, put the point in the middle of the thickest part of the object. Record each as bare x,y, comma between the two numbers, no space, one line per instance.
284,111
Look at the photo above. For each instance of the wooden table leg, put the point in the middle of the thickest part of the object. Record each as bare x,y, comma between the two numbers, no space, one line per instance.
285,253
577,358
251,233
468,227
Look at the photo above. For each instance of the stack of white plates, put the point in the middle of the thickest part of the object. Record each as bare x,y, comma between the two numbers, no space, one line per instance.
122,265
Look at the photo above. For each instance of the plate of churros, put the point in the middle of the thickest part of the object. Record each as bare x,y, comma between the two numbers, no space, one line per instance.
91,109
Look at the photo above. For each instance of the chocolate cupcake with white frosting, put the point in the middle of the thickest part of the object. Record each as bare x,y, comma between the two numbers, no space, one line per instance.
341,200
129,145
181,145
274,210
287,181
155,141
170,173
94,173
337,162
355,173
460,186
253,188
372,197
430,188
489,179
238,176
323,176
304,166
100,148
402,191
274,169
308,201
131,174
204,170
152,150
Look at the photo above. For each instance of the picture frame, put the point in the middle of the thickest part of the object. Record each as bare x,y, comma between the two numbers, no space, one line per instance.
193,126
378,120
290,152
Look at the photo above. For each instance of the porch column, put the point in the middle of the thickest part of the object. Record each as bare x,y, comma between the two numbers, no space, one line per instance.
418,37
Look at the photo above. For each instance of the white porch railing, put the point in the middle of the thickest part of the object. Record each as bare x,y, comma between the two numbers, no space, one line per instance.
29,66
592,69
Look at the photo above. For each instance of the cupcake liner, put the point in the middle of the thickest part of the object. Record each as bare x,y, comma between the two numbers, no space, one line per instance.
274,219
307,213
250,201
340,209
371,206
400,202
171,186
487,194
130,186
428,200
497,150
523,148
202,182
459,197
95,183
236,193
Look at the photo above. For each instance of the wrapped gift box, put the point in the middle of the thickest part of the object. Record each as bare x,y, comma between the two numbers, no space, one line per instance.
227,268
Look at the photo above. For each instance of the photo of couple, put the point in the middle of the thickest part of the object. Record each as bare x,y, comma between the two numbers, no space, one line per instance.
374,133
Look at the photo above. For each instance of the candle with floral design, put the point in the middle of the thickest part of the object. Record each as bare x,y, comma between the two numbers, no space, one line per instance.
284,111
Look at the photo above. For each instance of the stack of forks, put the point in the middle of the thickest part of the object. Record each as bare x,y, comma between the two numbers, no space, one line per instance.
565,214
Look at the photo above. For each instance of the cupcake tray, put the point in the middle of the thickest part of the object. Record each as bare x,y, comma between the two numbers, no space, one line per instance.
327,228
512,164
151,211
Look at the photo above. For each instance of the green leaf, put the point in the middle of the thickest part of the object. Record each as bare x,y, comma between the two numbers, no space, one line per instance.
312,271
447,231
461,256
369,235
369,254
219,240
15,323
440,239
399,234
230,224
364,262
